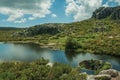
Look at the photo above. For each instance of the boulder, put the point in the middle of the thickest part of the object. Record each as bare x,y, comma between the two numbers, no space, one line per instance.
102,77
111,72
50,64
99,77
90,77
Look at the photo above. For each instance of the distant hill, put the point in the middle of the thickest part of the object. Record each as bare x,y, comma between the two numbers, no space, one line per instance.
51,28
9,28
107,12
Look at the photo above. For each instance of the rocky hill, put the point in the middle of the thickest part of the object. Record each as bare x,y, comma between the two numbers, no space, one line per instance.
40,29
107,12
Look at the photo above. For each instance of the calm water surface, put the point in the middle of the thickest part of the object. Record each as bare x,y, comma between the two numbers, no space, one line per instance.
30,52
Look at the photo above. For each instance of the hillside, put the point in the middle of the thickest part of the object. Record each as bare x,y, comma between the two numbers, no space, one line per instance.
99,35
40,29
7,32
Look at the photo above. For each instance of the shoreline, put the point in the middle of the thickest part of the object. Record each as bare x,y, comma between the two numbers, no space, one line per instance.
49,45
53,46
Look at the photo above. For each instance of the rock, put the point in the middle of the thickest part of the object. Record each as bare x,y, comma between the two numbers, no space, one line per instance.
111,72
83,73
50,64
116,14
99,77
102,77
107,12
90,77
102,12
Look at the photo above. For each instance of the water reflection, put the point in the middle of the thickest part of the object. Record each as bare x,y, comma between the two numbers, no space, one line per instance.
31,46
70,55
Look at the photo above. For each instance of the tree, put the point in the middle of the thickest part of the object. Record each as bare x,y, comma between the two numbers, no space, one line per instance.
71,45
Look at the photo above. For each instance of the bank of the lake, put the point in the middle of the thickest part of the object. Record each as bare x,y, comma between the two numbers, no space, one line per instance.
61,46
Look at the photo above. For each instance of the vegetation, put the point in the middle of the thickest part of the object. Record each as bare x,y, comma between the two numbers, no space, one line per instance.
71,45
38,70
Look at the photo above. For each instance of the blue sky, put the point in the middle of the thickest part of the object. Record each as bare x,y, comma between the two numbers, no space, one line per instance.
25,13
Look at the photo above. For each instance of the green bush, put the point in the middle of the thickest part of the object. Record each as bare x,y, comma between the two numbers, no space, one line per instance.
72,45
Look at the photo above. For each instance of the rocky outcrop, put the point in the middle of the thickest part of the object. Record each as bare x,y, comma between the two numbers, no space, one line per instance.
111,72
99,77
102,77
40,29
107,12
116,14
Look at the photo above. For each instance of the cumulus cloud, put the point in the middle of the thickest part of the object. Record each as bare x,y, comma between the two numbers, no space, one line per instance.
83,9
21,21
54,15
17,9
118,1
106,4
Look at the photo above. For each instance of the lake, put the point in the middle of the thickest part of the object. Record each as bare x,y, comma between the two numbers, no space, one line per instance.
30,52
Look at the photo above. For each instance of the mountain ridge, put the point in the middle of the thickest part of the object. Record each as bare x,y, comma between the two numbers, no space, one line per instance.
107,12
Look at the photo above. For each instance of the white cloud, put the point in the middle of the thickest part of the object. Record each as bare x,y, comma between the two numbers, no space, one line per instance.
31,18
106,4
81,9
17,9
118,1
54,15
20,21
14,16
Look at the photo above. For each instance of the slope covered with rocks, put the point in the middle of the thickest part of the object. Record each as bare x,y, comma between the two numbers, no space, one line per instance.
107,12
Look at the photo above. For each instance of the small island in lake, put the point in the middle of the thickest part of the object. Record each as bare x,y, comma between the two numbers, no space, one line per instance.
95,64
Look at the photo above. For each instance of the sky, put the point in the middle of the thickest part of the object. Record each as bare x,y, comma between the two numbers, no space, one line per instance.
26,13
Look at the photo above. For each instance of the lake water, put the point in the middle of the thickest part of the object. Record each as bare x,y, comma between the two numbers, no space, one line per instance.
30,52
